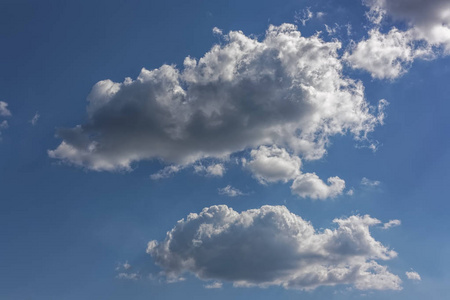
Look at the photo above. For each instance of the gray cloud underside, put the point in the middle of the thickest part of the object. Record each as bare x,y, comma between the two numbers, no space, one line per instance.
286,90
272,246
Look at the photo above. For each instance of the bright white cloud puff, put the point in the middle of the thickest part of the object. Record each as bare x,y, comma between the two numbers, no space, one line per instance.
272,246
286,90
388,55
273,164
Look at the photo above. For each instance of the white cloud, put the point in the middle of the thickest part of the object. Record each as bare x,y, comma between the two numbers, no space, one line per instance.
350,192
413,276
367,182
166,172
428,20
272,164
310,185
303,16
392,223
389,55
385,55
35,119
217,31
286,90
214,285
272,246
230,191
4,111
213,170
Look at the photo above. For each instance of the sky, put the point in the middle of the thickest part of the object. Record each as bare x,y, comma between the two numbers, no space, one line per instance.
224,149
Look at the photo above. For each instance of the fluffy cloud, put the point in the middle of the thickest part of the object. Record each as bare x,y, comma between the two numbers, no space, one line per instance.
367,182
4,111
286,90
230,191
214,170
385,55
388,55
272,246
272,164
413,276
392,223
310,185
429,20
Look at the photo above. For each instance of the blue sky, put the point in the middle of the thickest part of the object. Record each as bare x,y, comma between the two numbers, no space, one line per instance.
279,124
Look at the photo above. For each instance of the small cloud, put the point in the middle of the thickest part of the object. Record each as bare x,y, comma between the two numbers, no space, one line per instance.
303,16
217,31
392,223
350,192
214,170
367,182
128,276
3,125
4,111
413,276
230,191
166,172
214,285
35,119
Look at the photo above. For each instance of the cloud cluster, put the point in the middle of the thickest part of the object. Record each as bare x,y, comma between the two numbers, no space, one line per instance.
272,246
273,164
286,90
388,55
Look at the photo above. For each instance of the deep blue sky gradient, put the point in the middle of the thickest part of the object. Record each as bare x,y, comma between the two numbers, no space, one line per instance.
63,230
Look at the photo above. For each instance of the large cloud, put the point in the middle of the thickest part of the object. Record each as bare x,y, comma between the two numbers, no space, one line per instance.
286,90
388,55
272,246
429,20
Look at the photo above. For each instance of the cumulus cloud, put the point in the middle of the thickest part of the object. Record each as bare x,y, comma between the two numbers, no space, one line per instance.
285,89
413,276
272,246
213,170
392,223
310,185
230,191
367,182
272,164
388,55
428,20
4,111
